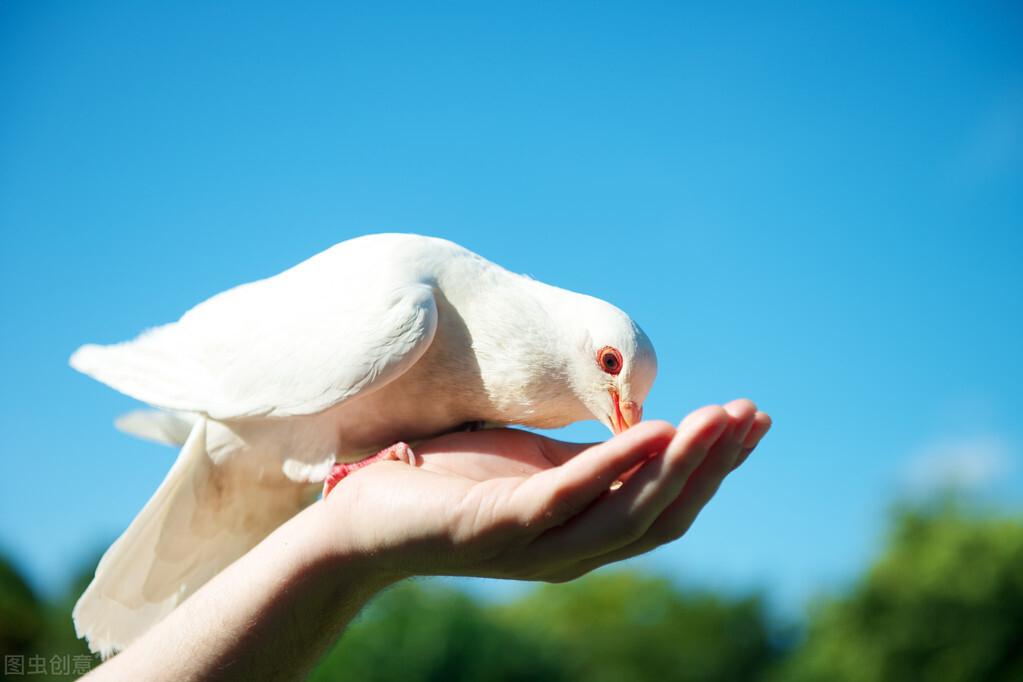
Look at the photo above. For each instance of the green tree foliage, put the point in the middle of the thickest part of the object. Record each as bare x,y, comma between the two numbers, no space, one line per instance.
627,626
437,635
33,628
59,636
943,602
22,620
618,626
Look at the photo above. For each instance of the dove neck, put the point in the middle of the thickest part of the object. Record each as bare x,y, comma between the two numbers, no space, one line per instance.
518,344
548,342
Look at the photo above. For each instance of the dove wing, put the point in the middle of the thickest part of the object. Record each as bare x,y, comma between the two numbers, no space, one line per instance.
294,344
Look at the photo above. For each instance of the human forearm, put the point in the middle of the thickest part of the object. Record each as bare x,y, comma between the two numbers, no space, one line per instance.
269,616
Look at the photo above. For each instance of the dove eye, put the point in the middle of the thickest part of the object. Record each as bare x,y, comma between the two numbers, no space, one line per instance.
610,360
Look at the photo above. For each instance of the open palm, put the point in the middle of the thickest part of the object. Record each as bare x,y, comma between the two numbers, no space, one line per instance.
513,504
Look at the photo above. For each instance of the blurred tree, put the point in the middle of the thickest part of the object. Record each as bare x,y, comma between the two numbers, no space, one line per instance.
626,626
431,633
617,626
33,628
943,602
59,636
22,620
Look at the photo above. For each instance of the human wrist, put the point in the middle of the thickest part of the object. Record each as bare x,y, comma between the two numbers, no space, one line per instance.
342,553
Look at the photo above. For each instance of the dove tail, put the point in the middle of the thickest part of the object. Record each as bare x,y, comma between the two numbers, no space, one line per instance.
202,517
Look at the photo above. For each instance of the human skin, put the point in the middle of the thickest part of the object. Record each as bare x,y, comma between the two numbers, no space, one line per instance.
498,503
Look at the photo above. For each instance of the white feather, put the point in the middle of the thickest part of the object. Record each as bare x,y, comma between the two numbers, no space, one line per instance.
159,426
270,348
201,518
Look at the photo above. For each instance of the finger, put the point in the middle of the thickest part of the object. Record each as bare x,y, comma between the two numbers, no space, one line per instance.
551,497
741,409
624,516
743,413
698,490
761,425
705,482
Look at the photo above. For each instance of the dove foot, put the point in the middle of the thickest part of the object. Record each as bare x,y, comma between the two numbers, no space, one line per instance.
400,452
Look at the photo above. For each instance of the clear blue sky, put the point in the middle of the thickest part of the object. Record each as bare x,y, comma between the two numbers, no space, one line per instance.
819,207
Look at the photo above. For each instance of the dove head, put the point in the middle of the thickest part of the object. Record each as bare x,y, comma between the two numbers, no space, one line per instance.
613,362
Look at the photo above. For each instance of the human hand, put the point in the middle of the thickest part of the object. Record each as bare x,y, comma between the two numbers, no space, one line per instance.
511,504
501,503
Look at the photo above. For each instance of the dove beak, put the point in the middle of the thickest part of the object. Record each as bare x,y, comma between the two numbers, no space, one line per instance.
627,413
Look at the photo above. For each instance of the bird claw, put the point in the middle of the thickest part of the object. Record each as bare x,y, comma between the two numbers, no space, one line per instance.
399,452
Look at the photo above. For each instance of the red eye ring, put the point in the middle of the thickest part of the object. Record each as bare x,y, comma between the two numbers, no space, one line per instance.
609,360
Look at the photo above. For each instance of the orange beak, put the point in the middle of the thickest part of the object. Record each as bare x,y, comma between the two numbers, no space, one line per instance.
627,413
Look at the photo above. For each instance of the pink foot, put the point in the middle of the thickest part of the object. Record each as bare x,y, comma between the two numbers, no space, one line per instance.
400,452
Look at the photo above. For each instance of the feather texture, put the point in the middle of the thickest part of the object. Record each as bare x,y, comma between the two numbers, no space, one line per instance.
375,340
201,518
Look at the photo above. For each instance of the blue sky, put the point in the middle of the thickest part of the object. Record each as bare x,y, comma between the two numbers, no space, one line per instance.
819,207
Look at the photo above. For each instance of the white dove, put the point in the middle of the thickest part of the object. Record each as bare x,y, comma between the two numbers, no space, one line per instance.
271,384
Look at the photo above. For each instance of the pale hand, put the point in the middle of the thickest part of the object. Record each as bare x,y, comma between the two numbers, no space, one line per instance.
511,504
